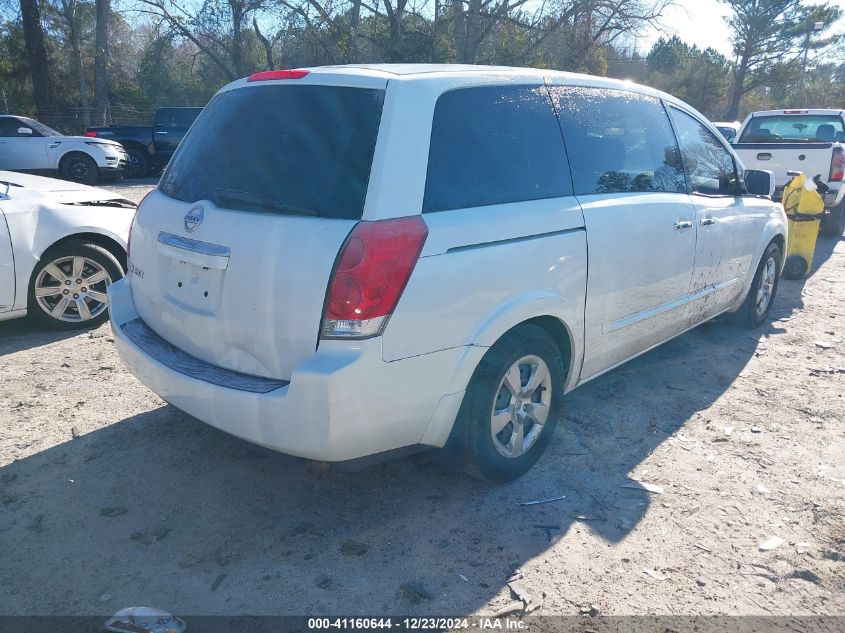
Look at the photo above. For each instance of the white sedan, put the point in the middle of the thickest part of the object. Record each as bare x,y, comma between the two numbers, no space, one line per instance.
61,245
30,146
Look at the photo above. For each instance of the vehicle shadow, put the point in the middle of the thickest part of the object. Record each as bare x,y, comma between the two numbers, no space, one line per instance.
18,335
824,249
161,510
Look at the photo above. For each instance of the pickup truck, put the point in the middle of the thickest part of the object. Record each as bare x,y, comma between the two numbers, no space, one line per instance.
810,141
149,148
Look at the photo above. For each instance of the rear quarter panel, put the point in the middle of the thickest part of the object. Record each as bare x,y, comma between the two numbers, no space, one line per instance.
481,274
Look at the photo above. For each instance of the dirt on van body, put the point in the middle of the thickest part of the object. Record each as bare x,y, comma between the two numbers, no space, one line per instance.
111,498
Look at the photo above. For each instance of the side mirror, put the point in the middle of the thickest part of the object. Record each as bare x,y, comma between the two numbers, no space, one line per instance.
24,131
760,182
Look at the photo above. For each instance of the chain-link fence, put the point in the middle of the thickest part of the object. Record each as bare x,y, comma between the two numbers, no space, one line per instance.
72,121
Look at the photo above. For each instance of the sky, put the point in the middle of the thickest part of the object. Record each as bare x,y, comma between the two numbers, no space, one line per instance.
702,22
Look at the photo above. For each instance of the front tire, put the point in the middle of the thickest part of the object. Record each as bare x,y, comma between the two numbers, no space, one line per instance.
137,166
512,405
755,310
67,290
79,168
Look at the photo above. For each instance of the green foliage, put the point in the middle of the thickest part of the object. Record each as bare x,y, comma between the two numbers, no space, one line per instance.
167,53
697,76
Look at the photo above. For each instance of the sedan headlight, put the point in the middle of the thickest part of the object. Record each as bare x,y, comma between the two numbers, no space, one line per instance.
103,146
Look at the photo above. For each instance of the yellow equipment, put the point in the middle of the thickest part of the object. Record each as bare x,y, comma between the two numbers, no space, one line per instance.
804,208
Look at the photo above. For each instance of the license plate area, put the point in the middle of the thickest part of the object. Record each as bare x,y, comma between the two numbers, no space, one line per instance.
194,288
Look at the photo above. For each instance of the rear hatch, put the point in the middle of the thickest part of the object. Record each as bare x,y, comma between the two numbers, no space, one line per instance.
232,255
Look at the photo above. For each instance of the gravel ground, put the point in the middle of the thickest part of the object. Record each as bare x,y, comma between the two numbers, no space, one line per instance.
110,498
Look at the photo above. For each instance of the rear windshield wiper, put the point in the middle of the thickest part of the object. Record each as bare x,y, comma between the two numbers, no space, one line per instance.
258,201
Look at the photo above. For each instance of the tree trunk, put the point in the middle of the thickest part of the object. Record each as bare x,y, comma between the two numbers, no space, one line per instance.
268,46
101,70
737,90
355,22
237,53
69,9
39,67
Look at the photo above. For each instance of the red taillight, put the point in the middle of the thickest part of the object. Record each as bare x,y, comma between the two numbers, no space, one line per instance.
371,272
270,75
91,133
837,165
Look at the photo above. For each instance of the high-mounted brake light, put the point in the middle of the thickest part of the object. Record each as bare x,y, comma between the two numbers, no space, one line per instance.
91,133
272,75
795,111
837,165
370,275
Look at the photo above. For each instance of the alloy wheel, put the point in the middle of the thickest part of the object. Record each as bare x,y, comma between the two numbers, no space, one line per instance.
73,289
767,285
78,170
521,406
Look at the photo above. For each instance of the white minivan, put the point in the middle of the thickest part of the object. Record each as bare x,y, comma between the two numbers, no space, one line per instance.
358,261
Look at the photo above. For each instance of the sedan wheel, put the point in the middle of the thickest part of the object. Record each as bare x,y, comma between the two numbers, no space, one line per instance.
73,289
68,287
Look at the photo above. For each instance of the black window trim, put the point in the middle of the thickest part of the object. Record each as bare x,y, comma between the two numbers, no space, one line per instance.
738,172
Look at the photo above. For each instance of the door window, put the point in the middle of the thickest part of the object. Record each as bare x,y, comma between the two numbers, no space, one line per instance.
710,166
623,141
9,127
494,145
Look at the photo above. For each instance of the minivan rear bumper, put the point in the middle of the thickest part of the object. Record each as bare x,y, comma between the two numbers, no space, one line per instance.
343,403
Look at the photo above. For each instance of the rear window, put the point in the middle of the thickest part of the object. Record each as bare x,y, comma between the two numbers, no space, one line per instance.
290,150
176,117
793,128
494,145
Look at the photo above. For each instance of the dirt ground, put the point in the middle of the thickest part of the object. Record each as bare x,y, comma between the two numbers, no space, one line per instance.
111,498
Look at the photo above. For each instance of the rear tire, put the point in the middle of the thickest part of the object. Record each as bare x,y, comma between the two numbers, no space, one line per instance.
833,223
79,168
59,305
755,310
136,164
524,415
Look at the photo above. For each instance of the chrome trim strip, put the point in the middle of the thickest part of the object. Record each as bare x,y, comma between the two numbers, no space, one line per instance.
646,314
194,246
514,240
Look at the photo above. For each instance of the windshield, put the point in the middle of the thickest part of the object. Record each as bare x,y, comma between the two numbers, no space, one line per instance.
39,127
793,128
728,132
290,150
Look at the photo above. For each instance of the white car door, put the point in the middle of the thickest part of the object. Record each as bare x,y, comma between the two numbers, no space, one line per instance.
7,263
640,220
728,223
21,151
